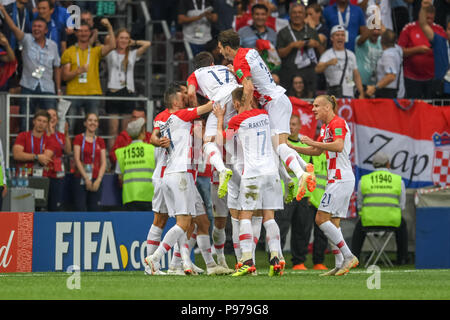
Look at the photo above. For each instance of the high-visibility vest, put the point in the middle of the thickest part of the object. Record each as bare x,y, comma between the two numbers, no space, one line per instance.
1,176
137,163
320,164
381,191
320,170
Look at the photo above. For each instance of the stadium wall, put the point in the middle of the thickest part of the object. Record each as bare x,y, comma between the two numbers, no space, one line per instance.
94,241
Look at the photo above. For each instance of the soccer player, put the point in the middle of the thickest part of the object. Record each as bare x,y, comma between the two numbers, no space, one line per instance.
257,81
215,82
335,140
178,181
260,187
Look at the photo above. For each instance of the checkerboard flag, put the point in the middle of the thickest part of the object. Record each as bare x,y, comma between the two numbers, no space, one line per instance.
441,159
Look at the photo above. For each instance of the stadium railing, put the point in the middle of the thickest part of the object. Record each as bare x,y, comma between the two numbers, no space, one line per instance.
6,116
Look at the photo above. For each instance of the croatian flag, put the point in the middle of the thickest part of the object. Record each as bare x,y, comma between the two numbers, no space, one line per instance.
414,134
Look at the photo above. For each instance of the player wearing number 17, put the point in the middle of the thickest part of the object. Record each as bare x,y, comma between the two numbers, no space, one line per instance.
335,140
257,81
135,166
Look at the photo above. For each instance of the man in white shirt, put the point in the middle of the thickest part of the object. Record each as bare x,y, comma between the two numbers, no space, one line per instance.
340,67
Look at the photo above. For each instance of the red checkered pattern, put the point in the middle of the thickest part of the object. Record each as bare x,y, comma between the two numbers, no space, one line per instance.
441,167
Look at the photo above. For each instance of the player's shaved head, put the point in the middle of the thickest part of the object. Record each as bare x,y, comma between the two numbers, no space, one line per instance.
203,59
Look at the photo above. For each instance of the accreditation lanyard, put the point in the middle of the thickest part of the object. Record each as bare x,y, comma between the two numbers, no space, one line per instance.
88,57
59,140
347,17
41,144
93,149
194,2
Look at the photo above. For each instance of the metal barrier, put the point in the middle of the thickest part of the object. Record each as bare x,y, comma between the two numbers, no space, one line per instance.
6,116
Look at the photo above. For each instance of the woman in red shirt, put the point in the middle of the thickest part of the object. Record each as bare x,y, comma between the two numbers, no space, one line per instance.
55,170
90,160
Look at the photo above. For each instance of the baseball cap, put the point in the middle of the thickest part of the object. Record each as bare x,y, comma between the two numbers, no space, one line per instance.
337,28
135,127
380,159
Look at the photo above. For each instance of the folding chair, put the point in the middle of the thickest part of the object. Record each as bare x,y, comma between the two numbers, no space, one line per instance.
379,238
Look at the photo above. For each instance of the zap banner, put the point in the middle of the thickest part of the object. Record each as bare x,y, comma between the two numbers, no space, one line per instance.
414,134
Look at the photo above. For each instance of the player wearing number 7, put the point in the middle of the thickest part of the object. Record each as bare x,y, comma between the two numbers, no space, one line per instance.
335,140
260,187
257,81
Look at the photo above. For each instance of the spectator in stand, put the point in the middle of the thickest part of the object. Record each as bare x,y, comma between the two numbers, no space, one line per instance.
55,169
350,16
417,53
368,51
55,30
93,40
21,17
81,69
33,149
316,21
8,62
298,46
89,153
258,29
340,67
244,16
124,139
298,89
59,14
196,17
41,72
121,63
441,52
390,83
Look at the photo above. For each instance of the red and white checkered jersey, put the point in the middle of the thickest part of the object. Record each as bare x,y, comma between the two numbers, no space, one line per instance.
179,129
248,63
253,130
339,165
160,153
213,82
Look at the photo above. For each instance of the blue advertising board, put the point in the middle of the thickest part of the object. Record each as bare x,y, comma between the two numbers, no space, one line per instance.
94,241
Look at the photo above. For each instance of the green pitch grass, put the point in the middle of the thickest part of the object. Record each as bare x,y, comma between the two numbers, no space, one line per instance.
403,283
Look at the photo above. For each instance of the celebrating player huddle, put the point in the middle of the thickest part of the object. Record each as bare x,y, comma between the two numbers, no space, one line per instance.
244,140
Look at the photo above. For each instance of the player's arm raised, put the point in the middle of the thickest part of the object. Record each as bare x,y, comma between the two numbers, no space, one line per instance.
192,96
247,97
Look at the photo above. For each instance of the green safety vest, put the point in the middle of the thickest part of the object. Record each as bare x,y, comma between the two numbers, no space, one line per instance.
381,191
320,170
137,163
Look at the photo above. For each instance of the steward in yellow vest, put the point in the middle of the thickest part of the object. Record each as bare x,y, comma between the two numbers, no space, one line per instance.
135,166
299,215
380,199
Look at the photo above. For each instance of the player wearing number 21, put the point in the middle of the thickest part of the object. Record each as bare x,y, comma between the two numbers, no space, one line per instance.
335,140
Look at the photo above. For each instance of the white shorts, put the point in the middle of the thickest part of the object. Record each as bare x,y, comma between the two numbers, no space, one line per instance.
336,198
219,205
262,192
158,203
280,111
211,122
180,193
